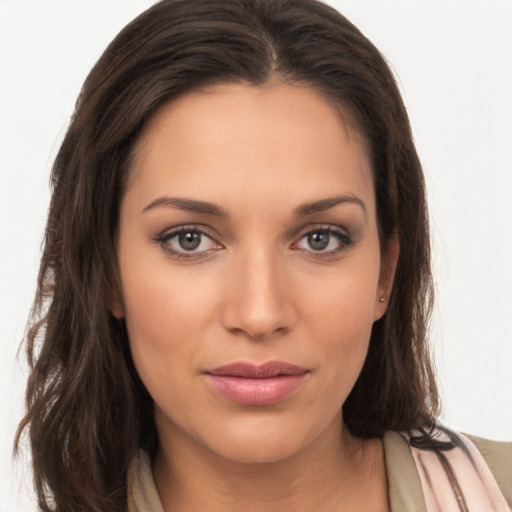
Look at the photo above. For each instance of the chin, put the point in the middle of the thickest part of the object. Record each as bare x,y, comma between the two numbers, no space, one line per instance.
259,442
262,449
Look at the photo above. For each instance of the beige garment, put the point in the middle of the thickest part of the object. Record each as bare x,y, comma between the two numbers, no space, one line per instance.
498,456
405,491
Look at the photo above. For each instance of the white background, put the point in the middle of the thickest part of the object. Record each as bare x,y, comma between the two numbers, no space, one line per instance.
454,63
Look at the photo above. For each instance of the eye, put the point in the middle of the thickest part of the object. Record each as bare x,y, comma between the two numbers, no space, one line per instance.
187,242
324,240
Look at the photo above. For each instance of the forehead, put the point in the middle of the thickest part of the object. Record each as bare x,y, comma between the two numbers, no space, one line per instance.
251,139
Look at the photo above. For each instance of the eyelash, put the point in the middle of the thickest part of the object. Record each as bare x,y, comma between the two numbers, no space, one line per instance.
342,237
164,239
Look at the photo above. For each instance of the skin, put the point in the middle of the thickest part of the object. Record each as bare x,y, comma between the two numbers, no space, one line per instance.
254,290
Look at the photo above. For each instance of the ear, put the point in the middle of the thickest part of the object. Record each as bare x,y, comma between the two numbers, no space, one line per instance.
389,261
115,297
116,308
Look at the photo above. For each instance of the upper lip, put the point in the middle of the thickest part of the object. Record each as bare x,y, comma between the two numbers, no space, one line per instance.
257,371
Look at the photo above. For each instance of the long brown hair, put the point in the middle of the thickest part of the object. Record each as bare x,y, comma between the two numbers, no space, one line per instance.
87,410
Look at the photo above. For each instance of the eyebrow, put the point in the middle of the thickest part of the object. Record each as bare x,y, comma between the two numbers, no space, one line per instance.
326,204
188,205
205,208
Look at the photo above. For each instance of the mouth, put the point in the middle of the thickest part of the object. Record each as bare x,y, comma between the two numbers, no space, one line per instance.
249,384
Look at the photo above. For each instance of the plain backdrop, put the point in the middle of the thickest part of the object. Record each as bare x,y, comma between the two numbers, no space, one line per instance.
453,61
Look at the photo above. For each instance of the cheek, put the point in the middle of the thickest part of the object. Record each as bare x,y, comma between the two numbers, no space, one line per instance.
164,342
161,304
343,300
339,314
345,328
150,325
165,314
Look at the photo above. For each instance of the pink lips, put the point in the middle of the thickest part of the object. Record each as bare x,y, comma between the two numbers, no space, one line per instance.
250,384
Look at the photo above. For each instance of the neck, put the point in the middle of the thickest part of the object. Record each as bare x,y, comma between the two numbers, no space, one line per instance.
335,469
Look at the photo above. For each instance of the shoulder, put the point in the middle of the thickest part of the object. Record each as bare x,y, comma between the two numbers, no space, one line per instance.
498,456
142,492
448,468
404,485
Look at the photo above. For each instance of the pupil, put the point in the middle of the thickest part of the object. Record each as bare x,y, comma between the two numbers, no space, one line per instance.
318,240
189,241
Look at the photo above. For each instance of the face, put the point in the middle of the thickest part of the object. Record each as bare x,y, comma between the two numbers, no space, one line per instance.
250,268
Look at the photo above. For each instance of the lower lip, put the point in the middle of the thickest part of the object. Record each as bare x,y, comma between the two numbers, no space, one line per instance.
256,391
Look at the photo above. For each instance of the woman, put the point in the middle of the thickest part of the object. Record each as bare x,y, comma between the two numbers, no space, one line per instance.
235,283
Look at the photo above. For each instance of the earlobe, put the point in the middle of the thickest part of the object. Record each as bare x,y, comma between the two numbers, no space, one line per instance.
387,274
117,311
115,305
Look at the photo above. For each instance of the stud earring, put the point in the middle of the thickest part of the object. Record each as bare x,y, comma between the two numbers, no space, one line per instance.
382,299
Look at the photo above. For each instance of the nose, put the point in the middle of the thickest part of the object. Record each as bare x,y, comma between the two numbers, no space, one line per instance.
259,302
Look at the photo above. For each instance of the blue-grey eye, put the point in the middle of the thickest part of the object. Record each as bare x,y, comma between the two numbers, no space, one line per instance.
323,241
189,240
319,240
